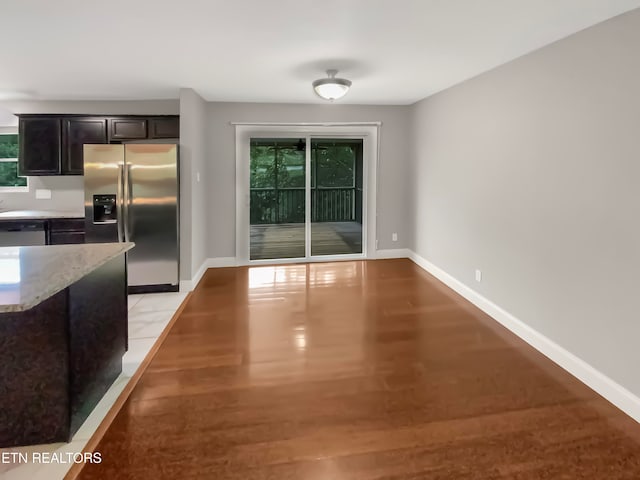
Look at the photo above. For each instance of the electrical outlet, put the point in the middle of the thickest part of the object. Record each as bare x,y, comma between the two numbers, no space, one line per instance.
394,237
198,176
478,275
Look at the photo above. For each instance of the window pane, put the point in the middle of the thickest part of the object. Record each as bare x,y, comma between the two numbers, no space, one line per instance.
262,167
8,146
9,175
335,165
277,198
290,168
336,202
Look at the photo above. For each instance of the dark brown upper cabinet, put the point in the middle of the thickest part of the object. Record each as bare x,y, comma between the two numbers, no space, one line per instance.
77,132
127,128
40,146
164,127
53,144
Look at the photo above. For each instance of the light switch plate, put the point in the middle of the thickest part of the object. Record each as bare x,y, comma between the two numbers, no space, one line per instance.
43,194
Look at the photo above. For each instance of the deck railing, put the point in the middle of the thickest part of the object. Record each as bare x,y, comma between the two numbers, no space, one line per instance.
286,205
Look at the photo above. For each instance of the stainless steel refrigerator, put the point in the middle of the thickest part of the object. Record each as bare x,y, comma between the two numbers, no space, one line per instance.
131,195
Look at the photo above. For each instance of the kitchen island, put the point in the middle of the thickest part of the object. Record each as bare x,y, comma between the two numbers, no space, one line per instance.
63,332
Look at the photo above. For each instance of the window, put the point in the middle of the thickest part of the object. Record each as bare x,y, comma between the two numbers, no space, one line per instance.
9,179
335,164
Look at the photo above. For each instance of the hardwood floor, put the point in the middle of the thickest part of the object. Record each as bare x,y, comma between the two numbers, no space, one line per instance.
355,370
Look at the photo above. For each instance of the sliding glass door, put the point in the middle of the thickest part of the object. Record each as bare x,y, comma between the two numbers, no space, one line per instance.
336,196
277,198
305,197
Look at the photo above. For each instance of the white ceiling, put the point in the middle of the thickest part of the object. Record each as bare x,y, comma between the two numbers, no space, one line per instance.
394,51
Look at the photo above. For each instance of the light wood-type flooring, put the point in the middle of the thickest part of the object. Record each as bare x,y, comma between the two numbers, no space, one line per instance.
355,370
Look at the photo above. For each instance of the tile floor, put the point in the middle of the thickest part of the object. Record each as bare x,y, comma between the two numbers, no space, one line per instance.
148,317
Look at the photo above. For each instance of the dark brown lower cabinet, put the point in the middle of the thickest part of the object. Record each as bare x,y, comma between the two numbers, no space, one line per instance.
65,230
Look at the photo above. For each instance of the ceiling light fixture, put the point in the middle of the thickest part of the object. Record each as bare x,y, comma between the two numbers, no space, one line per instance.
331,88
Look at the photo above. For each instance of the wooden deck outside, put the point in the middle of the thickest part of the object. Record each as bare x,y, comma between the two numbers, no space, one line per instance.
287,240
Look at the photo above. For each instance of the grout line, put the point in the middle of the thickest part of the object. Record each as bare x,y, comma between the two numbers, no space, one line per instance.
137,300
108,419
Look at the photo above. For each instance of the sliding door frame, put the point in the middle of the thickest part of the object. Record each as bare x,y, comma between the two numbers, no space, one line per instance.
367,132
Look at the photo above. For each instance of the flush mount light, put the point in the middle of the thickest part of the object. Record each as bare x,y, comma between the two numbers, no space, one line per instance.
331,88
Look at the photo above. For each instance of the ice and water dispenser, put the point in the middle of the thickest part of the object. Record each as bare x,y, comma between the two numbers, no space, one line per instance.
104,209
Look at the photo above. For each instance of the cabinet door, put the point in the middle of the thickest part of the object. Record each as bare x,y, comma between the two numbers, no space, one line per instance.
40,146
65,230
66,224
77,132
164,127
65,238
127,128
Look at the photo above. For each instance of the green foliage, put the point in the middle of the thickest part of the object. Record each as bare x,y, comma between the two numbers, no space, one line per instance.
9,175
9,170
8,146
334,166
281,167
277,179
271,165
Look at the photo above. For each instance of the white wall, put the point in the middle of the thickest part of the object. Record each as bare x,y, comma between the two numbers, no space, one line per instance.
193,157
531,173
393,177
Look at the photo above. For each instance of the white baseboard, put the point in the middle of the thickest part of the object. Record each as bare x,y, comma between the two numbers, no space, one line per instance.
393,253
188,285
596,380
219,262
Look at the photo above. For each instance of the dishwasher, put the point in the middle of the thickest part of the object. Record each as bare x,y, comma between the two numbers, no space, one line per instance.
22,233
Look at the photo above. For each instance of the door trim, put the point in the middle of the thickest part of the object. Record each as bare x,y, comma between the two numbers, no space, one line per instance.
369,132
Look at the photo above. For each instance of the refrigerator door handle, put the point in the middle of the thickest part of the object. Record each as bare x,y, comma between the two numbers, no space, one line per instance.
127,202
120,203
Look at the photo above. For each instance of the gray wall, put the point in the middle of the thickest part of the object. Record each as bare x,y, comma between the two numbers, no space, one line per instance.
393,196
193,155
68,192
124,107
531,173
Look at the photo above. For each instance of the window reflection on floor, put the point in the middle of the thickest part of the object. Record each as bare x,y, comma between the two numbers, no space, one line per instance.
295,326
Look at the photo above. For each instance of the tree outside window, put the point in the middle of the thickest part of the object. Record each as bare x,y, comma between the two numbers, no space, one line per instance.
9,178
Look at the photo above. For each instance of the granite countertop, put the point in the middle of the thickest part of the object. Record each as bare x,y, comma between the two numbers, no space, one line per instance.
30,275
39,214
